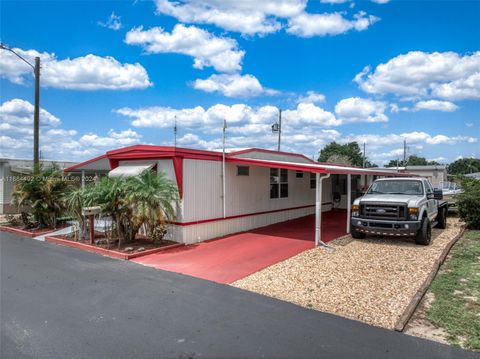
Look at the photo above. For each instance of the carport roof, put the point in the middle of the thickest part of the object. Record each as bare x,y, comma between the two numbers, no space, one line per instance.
316,167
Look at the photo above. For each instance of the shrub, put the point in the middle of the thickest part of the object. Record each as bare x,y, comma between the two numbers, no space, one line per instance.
43,193
469,203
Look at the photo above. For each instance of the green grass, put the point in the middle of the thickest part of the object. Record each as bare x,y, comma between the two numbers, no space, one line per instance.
459,279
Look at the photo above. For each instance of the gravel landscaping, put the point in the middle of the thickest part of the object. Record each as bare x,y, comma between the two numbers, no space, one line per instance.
372,280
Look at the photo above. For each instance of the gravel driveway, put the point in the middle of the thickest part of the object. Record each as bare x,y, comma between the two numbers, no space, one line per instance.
371,280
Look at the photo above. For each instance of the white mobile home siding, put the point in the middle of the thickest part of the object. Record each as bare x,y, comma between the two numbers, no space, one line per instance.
245,195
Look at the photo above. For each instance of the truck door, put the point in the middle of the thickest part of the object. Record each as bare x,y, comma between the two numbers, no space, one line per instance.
431,202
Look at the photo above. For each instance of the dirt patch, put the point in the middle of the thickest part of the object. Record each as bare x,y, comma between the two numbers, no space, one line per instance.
419,326
372,280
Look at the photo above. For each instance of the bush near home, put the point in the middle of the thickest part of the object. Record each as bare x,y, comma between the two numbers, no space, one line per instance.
469,203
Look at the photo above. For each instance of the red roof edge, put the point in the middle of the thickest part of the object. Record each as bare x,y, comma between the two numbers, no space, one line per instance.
71,168
248,150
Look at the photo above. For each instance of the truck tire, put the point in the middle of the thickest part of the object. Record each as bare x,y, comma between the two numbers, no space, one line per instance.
424,234
442,218
356,234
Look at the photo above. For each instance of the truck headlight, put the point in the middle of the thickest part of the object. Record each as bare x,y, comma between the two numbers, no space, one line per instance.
413,213
355,210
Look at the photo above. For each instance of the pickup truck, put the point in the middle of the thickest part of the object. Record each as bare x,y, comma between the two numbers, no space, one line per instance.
399,207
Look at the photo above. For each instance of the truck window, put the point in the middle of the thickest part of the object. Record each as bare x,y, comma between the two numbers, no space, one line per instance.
413,187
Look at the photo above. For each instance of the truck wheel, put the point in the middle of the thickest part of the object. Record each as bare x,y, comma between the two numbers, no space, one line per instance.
356,234
442,218
424,234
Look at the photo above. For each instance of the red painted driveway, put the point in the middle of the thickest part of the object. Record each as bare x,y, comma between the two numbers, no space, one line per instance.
236,256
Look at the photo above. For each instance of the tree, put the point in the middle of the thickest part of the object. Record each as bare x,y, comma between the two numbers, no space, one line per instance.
464,166
412,160
43,192
339,154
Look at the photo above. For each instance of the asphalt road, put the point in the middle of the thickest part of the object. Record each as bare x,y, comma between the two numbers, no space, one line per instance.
59,302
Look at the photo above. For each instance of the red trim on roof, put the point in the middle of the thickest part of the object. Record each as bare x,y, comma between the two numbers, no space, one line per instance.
249,150
314,167
71,168
149,151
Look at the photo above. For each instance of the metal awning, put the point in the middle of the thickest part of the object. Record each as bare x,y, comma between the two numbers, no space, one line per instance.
321,168
130,170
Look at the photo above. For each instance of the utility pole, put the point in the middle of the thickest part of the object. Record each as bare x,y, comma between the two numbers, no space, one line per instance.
175,133
279,128
36,111
223,170
404,152
364,155
36,118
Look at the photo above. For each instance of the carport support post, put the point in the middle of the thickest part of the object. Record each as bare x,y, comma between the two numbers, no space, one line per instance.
349,200
318,209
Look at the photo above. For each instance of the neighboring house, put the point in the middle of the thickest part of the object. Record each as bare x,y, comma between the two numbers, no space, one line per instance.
435,173
475,175
12,170
262,187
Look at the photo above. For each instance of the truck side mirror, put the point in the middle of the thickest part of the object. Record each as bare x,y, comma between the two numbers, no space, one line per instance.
438,194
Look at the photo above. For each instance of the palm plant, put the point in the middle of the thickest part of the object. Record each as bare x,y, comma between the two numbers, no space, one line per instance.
153,198
109,194
149,199
74,202
43,192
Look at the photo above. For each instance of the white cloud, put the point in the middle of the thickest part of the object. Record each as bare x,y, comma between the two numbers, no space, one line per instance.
308,25
309,113
114,22
435,105
88,72
248,17
251,17
18,113
234,85
412,138
16,139
355,109
312,97
380,1
198,117
207,49
417,74
112,140
334,1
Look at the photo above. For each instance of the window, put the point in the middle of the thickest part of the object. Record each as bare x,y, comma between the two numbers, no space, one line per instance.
410,187
313,180
243,171
299,174
278,183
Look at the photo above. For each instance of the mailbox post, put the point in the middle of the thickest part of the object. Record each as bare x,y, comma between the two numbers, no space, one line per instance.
90,213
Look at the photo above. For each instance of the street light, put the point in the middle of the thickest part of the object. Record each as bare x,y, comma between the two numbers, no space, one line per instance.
36,111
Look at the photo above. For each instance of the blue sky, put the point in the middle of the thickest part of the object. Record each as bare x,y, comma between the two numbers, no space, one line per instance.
116,73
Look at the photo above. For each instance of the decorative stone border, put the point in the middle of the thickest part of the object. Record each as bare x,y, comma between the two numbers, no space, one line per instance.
108,252
25,233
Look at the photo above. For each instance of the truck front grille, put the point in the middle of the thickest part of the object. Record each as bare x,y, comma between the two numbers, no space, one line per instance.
387,211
